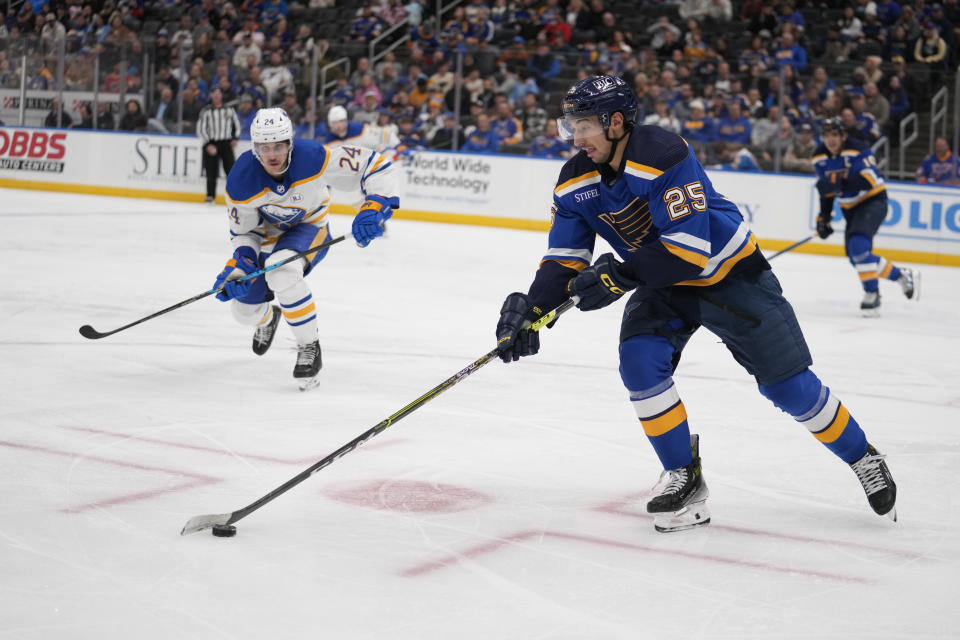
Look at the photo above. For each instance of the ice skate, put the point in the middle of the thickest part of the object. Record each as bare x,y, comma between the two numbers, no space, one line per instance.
870,305
909,281
877,482
263,336
308,365
682,493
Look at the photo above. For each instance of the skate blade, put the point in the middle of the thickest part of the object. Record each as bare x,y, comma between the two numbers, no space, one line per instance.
916,286
693,515
305,384
870,313
892,514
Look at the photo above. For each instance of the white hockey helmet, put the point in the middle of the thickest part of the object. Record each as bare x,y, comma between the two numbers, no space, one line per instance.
271,125
336,114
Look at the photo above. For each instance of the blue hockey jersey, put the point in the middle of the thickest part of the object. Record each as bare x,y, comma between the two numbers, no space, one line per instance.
659,212
851,176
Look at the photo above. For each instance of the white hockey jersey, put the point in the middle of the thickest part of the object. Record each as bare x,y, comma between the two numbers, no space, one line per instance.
261,208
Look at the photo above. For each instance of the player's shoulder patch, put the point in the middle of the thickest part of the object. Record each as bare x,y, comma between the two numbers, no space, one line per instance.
652,151
579,172
246,178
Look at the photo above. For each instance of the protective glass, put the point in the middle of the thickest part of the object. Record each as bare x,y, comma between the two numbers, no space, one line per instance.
579,127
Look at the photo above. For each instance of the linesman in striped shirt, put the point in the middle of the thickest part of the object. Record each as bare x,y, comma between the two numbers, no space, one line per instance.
219,129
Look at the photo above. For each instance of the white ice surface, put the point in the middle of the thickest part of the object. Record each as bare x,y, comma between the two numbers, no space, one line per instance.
510,507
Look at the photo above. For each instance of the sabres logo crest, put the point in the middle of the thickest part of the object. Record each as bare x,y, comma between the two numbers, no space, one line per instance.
278,214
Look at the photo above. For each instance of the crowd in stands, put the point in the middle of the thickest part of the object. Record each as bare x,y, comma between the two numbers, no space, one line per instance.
746,83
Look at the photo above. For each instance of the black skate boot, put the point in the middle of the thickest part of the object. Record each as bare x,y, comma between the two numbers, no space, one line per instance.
877,482
870,305
909,282
263,336
681,501
308,365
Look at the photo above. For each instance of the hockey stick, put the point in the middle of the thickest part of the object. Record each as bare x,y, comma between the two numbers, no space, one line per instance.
792,247
92,334
199,523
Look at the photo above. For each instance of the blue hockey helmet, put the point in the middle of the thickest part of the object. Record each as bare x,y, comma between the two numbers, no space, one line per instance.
598,96
834,124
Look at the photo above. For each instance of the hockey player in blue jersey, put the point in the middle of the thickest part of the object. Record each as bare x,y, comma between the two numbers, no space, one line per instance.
847,173
690,260
277,205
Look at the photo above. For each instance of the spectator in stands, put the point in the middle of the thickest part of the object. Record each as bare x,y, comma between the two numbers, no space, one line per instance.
888,11
865,121
442,80
898,100
442,138
697,127
86,118
543,66
671,44
931,50
506,126
765,129
765,22
105,121
191,111
549,144
248,49
911,24
410,138
558,31
756,54
51,120
736,157
292,107
79,73
870,69
533,118
852,127
940,167
366,26
369,112
875,104
662,116
658,30
789,16
276,77
481,138
897,43
246,113
791,54
733,126
52,31
133,117
799,155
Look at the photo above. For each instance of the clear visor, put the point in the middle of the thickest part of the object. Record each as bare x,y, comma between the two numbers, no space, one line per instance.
272,148
579,127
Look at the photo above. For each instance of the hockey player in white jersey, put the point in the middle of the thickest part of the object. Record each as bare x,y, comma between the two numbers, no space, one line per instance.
340,132
277,203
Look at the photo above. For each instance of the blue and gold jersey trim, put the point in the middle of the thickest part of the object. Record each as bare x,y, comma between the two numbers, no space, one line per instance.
571,185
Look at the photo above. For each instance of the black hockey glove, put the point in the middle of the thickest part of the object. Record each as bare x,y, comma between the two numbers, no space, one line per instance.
600,284
514,340
824,228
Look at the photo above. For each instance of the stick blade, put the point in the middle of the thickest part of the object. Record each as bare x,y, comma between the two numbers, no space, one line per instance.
199,523
90,333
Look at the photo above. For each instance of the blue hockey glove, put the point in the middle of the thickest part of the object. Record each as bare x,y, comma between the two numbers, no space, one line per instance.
600,284
514,340
824,228
374,212
243,263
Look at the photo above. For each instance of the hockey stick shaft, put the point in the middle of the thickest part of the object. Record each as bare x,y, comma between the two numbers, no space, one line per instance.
199,523
92,334
792,247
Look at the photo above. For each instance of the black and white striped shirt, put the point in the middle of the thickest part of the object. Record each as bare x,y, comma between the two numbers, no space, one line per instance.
218,124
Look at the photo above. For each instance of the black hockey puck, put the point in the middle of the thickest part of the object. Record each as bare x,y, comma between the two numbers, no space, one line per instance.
224,530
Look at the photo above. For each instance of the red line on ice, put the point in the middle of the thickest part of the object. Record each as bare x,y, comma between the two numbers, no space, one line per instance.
197,447
617,508
496,545
196,479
